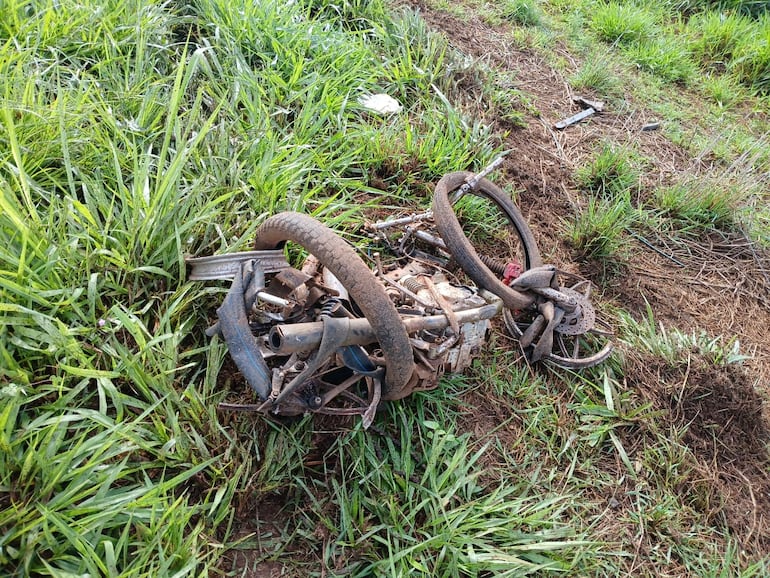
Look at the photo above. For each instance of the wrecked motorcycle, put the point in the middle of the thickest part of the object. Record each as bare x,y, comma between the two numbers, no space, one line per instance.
337,335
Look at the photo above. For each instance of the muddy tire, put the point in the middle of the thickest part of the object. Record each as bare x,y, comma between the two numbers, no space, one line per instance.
338,256
464,252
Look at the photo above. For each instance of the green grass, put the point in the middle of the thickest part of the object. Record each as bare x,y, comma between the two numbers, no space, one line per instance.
723,90
505,101
622,24
663,42
698,204
523,12
751,64
599,231
674,347
717,36
667,58
434,515
748,7
596,73
612,173
134,132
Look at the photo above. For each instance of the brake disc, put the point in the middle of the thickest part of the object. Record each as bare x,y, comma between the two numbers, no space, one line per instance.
581,319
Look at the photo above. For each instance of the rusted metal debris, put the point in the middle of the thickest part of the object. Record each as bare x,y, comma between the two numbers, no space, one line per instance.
338,339
590,107
574,119
585,103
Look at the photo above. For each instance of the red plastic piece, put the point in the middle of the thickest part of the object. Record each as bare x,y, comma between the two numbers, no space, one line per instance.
512,271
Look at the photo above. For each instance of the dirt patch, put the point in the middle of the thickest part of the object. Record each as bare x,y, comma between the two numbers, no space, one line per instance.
552,101
265,542
716,284
716,413
259,539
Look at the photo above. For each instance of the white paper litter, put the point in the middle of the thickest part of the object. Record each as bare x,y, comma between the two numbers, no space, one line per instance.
381,103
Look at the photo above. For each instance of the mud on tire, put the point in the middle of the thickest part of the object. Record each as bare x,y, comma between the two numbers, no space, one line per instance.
464,251
338,256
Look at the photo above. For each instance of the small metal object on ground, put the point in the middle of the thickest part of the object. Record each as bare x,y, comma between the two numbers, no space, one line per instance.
575,118
597,105
589,107
651,126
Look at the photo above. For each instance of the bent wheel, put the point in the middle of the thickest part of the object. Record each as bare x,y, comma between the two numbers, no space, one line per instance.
336,255
581,340
484,231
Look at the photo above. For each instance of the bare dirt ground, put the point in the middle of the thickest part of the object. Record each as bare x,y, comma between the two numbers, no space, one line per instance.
717,284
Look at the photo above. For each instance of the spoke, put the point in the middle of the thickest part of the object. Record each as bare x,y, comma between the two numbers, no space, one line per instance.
338,389
562,345
600,332
585,282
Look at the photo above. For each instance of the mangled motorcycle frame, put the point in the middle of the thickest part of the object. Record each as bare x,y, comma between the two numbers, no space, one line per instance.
337,336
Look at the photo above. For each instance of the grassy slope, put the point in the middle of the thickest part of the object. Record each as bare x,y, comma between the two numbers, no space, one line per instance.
136,132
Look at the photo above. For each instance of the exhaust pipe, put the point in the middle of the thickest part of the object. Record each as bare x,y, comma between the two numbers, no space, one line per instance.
297,337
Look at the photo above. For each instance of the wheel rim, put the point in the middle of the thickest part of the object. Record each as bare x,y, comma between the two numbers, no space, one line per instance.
571,351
